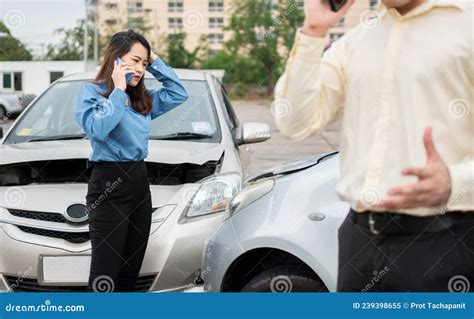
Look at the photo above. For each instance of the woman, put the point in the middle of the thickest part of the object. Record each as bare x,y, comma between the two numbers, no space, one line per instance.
116,117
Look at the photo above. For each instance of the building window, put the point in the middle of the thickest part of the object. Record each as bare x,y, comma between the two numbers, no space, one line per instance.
111,21
54,75
135,7
175,6
335,36
216,38
216,22
341,22
300,4
12,80
216,5
175,22
373,4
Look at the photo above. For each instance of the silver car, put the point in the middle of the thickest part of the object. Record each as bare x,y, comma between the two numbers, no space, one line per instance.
280,232
11,104
195,165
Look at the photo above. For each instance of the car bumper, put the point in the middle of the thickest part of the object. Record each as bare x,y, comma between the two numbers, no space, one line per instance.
222,247
172,260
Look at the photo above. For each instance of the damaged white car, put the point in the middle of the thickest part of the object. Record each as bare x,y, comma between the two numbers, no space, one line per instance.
196,163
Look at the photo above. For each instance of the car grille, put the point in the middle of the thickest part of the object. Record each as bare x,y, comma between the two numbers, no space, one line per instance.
49,217
31,285
75,238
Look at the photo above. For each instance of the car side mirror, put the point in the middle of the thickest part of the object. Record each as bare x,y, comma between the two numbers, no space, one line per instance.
254,132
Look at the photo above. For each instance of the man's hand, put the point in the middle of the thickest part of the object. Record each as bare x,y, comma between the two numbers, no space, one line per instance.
319,17
433,187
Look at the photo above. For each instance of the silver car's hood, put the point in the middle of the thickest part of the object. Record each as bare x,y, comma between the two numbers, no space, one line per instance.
169,152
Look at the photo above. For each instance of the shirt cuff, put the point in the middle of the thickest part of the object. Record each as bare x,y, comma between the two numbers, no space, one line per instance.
308,48
156,67
118,97
462,183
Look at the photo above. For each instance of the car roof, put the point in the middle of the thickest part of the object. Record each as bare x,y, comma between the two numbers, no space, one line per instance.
183,74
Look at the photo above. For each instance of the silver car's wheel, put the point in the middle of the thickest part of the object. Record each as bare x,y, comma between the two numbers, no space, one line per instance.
284,279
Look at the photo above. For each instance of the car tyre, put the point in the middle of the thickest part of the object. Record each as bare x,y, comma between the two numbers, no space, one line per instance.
289,278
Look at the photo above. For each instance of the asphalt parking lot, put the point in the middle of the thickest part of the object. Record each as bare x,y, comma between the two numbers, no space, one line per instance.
279,149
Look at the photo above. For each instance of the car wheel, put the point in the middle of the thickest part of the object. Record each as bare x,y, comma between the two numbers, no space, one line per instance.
285,279
3,113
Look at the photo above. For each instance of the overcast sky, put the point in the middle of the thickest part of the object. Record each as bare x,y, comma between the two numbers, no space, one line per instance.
34,21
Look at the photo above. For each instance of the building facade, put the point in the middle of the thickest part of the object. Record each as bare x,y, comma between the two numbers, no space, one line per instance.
196,17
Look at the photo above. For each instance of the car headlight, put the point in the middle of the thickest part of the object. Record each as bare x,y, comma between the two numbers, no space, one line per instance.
214,194
249,195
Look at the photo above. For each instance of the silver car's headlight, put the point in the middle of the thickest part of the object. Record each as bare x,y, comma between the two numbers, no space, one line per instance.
214,194
249,195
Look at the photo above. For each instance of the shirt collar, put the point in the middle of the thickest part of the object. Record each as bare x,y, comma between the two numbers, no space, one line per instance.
423,8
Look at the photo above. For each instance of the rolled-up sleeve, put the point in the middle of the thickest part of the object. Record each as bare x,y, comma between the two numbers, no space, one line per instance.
312,88
171,94
98,115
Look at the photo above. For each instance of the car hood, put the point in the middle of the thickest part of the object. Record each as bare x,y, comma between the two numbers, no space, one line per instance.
290,167
168,152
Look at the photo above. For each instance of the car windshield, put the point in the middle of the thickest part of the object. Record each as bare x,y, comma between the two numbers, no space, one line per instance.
51,117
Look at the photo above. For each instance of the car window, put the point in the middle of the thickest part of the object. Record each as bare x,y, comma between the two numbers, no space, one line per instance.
52,114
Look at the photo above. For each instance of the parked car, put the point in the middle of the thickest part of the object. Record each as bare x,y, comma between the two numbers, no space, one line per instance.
280,232
195,165
11,104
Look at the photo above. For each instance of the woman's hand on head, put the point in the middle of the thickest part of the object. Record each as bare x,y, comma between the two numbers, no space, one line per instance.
119,74
153,57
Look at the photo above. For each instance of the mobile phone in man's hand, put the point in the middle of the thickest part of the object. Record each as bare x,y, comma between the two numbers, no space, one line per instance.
336,5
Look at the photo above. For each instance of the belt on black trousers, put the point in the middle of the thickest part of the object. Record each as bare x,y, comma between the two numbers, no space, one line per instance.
389,223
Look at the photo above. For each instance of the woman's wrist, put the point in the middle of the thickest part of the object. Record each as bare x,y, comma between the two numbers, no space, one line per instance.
153,57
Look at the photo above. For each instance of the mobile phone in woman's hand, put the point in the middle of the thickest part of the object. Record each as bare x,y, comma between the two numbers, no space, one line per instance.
336,5
129,75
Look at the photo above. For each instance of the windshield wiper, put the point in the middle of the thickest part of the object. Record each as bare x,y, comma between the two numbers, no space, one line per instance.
182,136
58,137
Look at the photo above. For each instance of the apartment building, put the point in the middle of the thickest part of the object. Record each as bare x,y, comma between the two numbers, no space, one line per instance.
196,17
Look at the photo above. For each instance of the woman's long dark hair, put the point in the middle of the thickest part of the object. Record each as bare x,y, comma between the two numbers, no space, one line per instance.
119,45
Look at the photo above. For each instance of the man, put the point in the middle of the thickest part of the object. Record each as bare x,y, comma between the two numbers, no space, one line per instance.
403,84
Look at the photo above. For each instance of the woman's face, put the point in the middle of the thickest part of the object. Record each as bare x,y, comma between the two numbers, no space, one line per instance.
137,58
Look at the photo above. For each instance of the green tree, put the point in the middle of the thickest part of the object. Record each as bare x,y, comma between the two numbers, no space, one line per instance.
180,57
263,31
71,44
11,49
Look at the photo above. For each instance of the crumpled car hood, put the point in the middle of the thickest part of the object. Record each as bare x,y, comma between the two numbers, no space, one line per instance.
168,152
